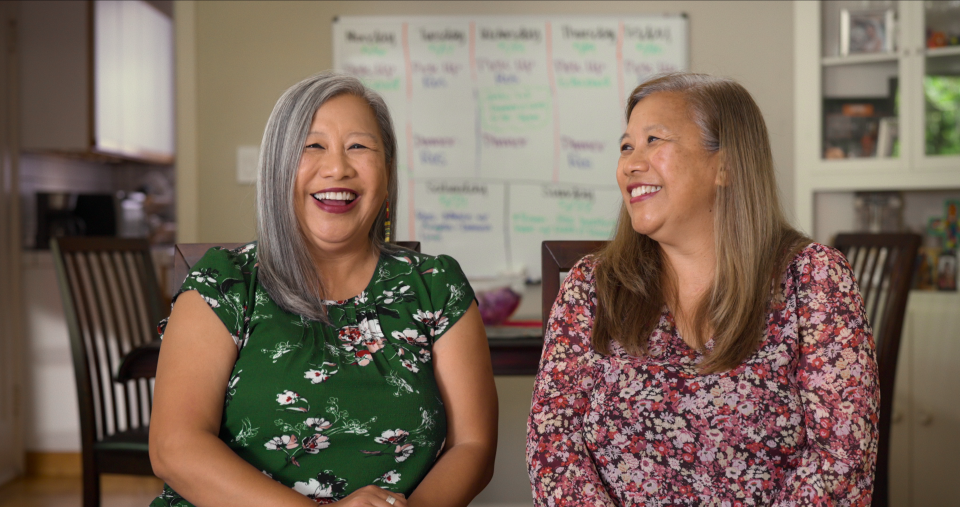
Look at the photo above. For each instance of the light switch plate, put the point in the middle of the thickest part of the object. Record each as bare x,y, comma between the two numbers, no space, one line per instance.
247,157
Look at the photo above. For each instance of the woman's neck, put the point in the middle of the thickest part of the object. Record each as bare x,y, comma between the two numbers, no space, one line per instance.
345,273
688,276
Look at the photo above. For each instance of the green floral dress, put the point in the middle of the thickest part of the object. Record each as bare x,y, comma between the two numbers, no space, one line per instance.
328,409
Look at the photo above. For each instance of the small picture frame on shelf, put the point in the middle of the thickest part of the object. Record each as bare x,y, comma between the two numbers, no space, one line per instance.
866,31
947,271
887,136
927,268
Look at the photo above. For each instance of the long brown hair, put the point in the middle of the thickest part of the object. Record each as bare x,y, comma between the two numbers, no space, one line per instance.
753,241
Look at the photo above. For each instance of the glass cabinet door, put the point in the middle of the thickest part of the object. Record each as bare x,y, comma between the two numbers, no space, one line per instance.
861,70
941,78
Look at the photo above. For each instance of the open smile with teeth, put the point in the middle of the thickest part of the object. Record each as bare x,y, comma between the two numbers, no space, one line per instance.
644,190
335,198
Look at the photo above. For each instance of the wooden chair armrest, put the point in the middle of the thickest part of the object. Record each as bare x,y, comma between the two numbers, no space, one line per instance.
140,362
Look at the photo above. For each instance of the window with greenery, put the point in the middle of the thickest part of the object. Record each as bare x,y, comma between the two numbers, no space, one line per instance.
942,114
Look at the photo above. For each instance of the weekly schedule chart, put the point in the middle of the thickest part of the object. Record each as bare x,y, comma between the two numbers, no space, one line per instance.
507,127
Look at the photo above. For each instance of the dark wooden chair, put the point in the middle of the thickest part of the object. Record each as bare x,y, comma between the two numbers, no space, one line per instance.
112,304
884,266
556,259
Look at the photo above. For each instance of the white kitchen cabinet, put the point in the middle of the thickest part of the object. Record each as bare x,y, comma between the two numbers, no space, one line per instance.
97,79
824,78
925,447
925,433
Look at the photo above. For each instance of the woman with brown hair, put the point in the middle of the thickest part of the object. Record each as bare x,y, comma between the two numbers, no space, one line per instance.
710,353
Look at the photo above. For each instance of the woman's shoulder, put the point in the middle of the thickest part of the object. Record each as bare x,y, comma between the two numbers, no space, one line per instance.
220,264
223,279
435,285
420,264
818,255
584,268
821,269
242,259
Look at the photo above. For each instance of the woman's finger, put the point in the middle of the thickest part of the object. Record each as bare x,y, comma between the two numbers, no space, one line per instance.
375,496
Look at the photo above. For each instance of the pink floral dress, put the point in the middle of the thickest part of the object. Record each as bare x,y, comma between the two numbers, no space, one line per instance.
794,425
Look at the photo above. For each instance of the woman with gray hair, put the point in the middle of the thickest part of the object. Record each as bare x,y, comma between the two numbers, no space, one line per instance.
309,367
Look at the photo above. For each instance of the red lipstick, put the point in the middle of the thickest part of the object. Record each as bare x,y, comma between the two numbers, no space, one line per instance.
642,197
333,205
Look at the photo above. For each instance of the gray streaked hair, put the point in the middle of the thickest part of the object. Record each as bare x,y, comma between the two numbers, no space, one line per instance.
287,269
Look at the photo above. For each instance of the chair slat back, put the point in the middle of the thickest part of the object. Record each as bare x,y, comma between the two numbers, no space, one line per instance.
883,265
556,259
185,255
112,304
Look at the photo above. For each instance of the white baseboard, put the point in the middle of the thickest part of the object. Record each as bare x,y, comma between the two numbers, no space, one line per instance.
53,439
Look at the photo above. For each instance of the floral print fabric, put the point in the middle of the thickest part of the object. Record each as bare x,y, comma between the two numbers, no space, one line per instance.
794,425
328,409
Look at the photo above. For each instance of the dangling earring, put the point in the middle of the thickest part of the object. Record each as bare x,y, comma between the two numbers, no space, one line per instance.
386,224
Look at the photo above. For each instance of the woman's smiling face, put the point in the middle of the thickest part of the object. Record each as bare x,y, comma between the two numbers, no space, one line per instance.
342,176
667,178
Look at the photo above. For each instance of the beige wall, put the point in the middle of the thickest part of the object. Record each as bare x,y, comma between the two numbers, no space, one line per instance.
244,54
236,58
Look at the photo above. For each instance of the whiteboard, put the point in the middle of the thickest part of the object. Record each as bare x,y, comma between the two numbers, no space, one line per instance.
507,126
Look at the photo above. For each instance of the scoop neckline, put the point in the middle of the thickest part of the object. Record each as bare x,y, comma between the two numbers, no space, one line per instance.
376,270
678,342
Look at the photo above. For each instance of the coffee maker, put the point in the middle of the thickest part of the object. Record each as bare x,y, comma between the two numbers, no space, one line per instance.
62,214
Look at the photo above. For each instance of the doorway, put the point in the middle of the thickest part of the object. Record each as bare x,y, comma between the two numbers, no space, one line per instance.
11,442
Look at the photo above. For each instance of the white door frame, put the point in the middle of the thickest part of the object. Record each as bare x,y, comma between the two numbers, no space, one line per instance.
11,336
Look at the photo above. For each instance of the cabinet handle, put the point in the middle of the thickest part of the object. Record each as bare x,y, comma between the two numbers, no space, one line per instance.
925,419
897,416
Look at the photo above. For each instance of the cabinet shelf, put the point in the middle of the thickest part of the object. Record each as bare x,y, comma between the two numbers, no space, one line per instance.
831,61
945,51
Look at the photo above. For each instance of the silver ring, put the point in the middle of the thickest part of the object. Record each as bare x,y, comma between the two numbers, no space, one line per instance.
391,500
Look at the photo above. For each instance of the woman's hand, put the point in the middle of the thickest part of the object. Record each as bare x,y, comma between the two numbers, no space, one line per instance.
373,496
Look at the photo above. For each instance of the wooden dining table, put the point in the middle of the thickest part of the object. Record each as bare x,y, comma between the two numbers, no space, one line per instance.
514,350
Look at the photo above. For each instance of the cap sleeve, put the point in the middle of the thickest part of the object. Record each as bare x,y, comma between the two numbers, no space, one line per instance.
222,278
450,293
